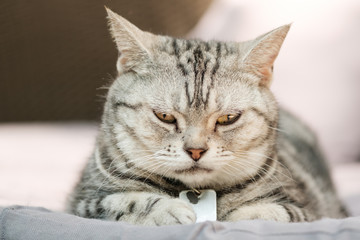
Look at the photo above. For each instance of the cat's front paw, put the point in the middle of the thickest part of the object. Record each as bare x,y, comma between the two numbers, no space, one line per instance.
171,212
266,211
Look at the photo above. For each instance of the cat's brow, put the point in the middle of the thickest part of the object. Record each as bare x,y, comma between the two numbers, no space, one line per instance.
117,104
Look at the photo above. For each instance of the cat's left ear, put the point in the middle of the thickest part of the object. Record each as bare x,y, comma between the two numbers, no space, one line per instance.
132,43
262,52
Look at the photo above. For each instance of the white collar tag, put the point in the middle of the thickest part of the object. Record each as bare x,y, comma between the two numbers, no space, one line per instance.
203,203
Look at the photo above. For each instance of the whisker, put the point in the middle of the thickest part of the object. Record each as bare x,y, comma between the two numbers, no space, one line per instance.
244,153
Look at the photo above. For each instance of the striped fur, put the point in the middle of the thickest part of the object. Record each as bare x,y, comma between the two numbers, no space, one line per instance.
265,165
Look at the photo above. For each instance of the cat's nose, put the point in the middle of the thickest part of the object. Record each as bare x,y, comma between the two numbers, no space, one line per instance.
196,154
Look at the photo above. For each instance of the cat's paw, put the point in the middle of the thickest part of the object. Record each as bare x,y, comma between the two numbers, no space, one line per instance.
171,212
266,211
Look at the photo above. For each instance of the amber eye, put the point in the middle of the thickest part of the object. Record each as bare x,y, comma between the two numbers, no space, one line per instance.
227,119
167,118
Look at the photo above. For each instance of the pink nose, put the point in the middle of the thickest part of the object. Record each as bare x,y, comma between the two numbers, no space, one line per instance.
195,154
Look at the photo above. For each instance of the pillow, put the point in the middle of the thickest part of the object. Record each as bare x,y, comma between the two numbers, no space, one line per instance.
18,222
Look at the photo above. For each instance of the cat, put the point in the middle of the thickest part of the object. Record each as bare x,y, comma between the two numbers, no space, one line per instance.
192,115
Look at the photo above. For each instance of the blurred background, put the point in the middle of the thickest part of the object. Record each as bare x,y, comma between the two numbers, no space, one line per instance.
57,57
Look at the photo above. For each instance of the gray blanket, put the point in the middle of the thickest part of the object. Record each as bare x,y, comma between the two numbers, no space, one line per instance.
18,222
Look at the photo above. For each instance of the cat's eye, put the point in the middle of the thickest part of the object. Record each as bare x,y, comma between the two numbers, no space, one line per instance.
227,119
167,118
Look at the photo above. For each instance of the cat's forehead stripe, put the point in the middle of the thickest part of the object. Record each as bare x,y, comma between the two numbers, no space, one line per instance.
199,62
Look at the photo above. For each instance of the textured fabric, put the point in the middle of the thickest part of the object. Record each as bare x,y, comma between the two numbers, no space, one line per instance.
30,223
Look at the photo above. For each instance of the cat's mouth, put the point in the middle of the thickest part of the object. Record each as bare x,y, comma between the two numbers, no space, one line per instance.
193,169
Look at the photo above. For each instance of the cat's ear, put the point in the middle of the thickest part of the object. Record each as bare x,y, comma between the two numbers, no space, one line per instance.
132,43
262,52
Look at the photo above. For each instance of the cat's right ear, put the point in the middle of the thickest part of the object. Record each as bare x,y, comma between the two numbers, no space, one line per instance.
262,52
132,43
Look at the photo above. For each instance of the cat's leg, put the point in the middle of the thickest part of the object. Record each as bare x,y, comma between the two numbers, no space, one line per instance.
137,208
267,211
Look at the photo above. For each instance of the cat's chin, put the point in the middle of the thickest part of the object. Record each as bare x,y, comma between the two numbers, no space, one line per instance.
197,177
193,170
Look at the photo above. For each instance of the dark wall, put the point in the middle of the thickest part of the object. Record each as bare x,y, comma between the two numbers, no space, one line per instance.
56,55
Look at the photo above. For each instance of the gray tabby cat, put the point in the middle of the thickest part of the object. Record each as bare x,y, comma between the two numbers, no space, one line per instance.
190,114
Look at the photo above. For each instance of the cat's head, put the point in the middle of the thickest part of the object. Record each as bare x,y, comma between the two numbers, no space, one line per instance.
200,112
